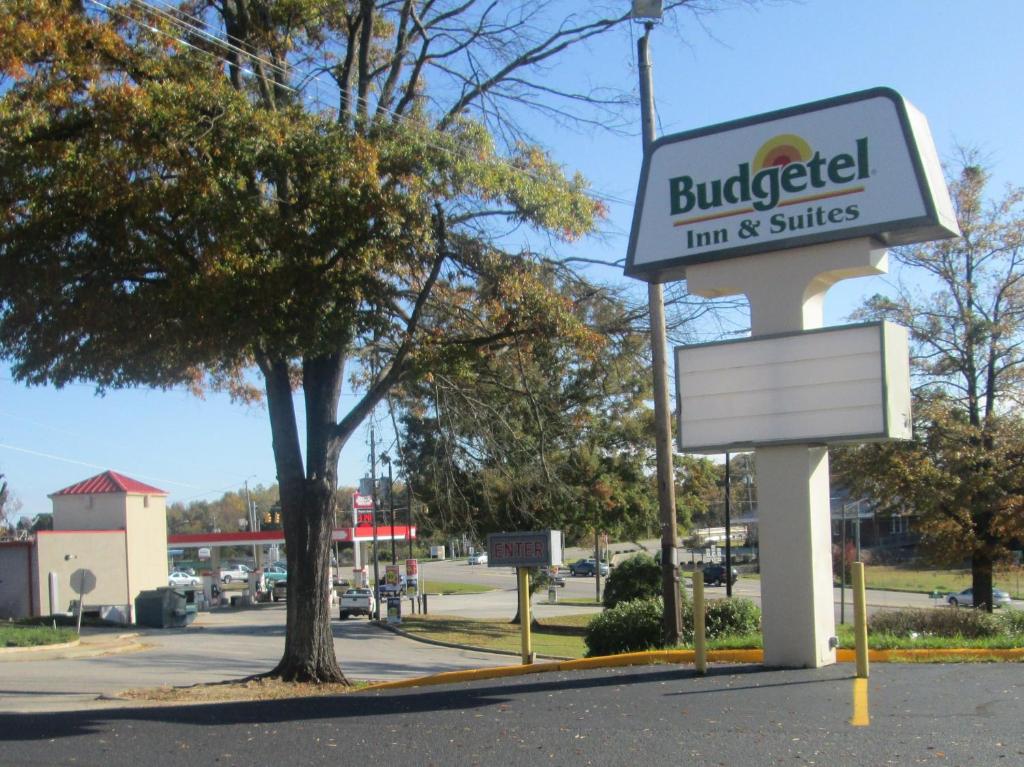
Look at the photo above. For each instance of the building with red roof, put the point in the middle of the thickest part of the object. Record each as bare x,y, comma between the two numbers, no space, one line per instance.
109,543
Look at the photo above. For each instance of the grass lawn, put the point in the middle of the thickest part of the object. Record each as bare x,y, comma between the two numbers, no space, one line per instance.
13,635
925,581
446,587
550,639
562,636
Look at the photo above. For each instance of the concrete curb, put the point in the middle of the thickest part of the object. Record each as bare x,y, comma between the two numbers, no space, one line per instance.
40,647
91,647
654,657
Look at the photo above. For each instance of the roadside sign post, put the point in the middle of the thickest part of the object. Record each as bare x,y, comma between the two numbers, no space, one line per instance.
412,579
860,619
526,638
522,551
700,655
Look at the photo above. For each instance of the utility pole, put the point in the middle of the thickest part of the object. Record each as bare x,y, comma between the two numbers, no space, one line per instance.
408,502
391,508
728,532
842,568
376,510
672,627
251,514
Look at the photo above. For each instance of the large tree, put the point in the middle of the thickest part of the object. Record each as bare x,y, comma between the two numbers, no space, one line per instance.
549,432
255,194
963,473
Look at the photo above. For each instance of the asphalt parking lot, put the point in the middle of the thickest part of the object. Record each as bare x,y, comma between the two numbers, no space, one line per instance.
736,715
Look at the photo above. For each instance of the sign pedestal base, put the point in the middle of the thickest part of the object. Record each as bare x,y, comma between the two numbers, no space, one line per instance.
795,540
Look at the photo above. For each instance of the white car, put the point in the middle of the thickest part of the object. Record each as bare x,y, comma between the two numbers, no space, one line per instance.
234,573
478,559
179,578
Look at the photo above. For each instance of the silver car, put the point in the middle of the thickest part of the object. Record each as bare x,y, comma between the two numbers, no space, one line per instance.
181,578
966,598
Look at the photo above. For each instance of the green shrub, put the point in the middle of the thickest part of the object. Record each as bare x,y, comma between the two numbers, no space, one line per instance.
1012,622
627,627
638,577
939,622
637,624
725,617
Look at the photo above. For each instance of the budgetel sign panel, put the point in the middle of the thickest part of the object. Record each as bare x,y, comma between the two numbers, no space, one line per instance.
542,548
858,165
846,384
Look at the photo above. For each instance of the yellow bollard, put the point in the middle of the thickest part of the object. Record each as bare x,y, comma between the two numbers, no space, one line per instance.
860,620
699,646
524,614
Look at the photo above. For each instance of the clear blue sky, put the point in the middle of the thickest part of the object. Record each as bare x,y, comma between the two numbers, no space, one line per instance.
959,63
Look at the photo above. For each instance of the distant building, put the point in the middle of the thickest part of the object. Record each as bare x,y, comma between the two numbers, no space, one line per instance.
109,538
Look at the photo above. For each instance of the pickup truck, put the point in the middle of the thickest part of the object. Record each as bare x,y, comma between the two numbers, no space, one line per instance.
234,573
356,602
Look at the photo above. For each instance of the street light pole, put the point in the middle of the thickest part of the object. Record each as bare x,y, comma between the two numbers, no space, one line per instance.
672,627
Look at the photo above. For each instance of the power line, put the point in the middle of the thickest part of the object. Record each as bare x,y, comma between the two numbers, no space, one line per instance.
91,465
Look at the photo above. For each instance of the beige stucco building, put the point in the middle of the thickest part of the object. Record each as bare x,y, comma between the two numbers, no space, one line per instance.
109,540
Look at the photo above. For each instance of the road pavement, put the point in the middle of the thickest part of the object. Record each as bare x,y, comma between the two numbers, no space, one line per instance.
736,715
504,581
220,645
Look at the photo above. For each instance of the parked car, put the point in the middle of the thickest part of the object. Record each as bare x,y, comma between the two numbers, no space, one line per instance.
966,598
181,578
273,574
478,559
234,573
279,591
714,575
546,579
587,567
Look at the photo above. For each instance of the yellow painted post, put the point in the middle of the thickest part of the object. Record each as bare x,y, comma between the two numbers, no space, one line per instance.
860,620
524,614
700,650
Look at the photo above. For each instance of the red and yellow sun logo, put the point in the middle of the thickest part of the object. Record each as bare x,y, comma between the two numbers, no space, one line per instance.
781,150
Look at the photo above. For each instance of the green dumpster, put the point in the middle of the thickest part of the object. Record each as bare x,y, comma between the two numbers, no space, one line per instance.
165,607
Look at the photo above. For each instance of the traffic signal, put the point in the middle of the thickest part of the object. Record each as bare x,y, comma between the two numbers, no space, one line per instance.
277,517
266,517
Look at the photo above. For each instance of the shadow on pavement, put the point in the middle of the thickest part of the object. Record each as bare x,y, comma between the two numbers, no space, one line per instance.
461,697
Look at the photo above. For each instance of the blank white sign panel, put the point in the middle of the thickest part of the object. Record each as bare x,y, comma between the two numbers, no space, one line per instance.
846,384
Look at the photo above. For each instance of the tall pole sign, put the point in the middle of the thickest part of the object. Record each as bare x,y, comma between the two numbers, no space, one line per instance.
859,165
780,207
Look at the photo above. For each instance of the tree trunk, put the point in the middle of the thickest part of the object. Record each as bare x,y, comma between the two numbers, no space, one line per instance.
307,511
981,577
309,642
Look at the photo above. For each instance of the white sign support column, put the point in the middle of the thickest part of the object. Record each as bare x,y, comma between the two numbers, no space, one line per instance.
786,292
